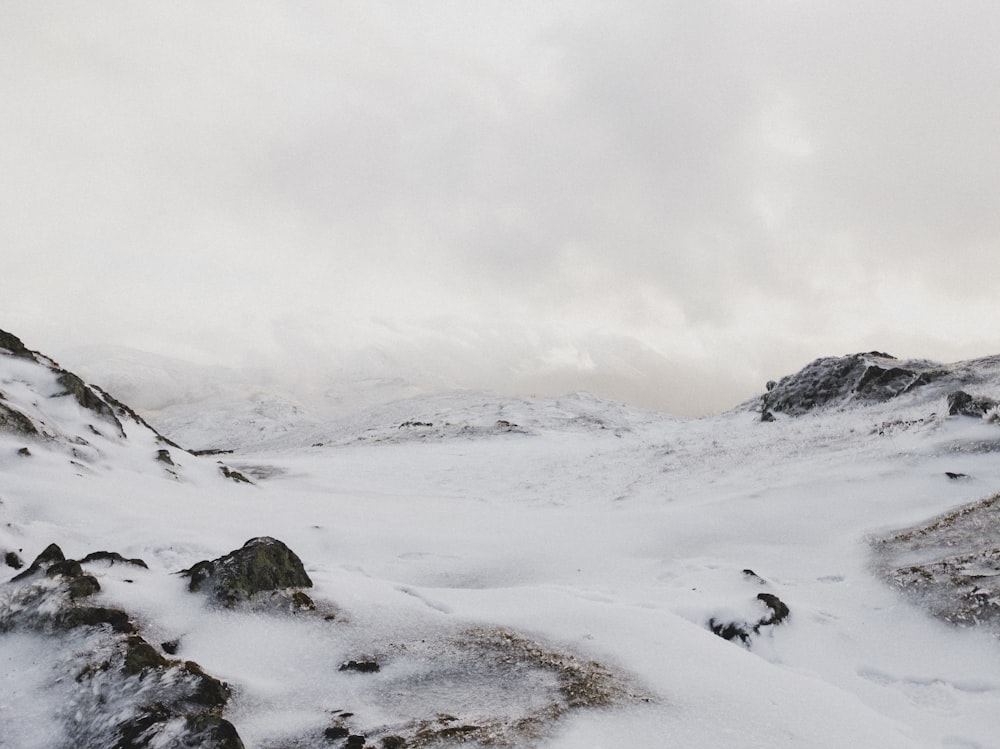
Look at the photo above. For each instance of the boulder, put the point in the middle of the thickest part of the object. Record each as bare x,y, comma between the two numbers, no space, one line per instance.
743,631
261,565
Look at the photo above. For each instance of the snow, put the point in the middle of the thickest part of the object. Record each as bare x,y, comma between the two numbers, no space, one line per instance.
592,528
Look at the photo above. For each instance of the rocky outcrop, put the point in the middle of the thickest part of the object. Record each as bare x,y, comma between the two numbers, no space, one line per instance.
125,694
262,565
12,420
14,345
32,410
874,377
134,694
87,398
961,403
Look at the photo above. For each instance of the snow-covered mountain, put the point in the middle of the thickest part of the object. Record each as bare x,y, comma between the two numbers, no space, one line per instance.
816,568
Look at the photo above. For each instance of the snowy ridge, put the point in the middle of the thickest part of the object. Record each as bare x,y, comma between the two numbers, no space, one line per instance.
50,412
557,580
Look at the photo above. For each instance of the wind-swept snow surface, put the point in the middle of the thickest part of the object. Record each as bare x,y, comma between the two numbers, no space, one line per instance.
525,572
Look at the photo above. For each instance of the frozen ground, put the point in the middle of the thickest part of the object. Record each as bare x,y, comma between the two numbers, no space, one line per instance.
467,542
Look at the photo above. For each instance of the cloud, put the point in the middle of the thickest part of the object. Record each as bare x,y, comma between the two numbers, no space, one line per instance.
719,184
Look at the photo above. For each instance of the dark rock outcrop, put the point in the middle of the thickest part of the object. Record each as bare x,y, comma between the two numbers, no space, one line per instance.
88,398
779,610
262,565
873,377
91,397
112,557
232,475
961,403
14,345
126,693
50,555
361,667
12,420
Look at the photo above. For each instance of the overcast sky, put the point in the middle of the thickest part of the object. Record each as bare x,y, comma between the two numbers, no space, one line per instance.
663,202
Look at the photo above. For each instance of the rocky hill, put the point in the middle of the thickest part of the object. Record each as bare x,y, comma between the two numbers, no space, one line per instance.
875,377
55,413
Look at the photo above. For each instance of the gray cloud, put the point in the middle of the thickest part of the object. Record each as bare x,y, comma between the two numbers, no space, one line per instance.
604,195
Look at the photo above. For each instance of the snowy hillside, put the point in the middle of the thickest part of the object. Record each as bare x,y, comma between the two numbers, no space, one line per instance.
817,568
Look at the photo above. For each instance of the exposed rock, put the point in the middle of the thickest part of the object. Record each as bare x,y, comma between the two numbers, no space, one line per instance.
236,476
14,345
24,452
961,403
140,656
779,611
865,378
87,398
112,557
731,630
12,420
303,602
93,616
955,476
54,564
335,733
203,730
82,586
170,647
209,691
263,564
164,457
11,559
879,385
744,630
66,567
126,694
362,667
49,556
208,731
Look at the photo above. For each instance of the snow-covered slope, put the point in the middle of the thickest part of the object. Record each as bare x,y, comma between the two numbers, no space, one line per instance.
492,571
